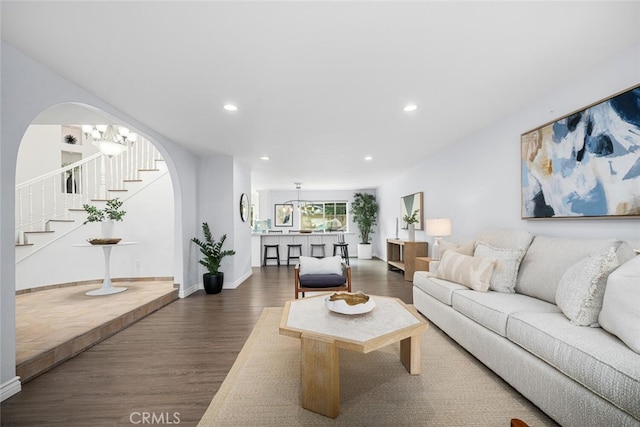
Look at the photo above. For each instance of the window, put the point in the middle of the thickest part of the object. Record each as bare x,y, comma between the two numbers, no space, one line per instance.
324,216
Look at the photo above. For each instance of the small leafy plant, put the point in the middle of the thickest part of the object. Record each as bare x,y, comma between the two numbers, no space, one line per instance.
111,212
212,250
413,219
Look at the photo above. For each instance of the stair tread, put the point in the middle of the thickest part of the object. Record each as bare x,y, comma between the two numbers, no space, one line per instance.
131,180
148,170
63,220
120,190
24,244
39,232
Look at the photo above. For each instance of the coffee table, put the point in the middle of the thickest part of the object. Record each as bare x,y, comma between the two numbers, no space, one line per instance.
322,333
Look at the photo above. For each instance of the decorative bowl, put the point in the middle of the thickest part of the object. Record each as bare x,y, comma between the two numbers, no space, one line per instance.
104,241
305,231
350,303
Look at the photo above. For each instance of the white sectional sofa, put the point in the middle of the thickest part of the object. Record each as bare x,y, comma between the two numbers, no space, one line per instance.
578,375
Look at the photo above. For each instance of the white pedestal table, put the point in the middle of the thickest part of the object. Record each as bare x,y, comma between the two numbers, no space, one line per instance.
107,288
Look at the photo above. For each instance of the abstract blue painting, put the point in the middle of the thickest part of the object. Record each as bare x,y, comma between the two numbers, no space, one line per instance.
586,164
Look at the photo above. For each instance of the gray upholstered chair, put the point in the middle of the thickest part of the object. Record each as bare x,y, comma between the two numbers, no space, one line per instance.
320,275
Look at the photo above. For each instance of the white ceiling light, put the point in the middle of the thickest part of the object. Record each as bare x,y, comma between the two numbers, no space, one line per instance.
265,158
108,140
230,107
409,108
368,158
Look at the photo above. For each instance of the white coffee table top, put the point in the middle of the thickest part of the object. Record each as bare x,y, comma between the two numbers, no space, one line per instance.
390,319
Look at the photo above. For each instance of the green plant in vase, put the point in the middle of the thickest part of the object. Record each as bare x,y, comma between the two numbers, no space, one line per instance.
212,257
110,213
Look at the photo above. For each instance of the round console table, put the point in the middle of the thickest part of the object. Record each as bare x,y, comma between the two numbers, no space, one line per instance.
106,288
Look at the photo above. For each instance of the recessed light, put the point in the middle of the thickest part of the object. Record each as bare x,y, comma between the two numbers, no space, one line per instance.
230,107
368,158
265,158
410,107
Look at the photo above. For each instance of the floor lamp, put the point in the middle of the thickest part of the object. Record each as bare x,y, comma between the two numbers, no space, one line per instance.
438,228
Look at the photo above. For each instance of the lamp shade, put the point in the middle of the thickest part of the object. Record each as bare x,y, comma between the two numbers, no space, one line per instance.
438,227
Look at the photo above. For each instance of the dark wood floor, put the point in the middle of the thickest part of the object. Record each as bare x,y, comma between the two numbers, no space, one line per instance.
171,363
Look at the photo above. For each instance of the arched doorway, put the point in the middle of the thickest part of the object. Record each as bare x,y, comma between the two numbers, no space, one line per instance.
54,149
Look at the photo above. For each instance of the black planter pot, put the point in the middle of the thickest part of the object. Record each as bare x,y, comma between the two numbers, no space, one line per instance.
213,282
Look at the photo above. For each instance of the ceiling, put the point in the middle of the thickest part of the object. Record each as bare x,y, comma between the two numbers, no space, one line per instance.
319,85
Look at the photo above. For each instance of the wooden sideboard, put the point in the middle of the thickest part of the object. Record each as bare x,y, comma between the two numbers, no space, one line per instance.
401,255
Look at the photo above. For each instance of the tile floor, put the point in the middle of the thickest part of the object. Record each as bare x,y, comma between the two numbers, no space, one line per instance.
55,324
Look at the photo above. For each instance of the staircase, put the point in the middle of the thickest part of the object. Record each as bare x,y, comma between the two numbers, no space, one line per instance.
50,206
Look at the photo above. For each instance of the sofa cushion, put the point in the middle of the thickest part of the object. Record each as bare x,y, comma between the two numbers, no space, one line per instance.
581,288
590,356
512,239
473,272
620,314
440,289
548,258
505,271
626,251
328,265
492,309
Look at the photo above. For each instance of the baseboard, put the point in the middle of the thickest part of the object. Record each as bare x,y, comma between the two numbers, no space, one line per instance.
185,292
10,388
238,282
196,287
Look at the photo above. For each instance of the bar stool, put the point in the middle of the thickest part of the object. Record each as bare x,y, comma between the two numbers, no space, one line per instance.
297,247
344,248
266,254
317,247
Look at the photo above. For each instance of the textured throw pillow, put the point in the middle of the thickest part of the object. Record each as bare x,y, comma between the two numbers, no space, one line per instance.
472,272
620,314
328,265
582,286
505,271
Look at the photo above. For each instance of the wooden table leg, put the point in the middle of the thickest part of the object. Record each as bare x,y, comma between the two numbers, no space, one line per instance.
411,354
320,376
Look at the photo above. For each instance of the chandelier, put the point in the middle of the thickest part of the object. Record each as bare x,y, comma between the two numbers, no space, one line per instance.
299,202
110,140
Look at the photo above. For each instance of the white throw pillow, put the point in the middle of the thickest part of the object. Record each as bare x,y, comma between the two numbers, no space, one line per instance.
505,271
472,272
620,314
582,286
465,248
328,265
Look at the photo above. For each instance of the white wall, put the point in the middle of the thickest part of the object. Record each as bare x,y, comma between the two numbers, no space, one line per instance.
476,182
242,230
149,221
220,183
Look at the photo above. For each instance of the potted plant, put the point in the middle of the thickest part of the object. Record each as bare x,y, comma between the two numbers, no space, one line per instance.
411,224
212,256
106,216
365,214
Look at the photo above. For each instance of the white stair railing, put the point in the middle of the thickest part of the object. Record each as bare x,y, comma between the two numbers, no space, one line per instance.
52,195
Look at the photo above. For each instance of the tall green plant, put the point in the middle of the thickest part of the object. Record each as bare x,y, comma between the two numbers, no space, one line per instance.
212,250
365,214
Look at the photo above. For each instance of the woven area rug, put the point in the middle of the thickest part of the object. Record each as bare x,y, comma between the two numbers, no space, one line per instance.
263,387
